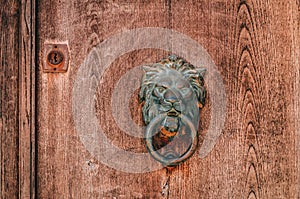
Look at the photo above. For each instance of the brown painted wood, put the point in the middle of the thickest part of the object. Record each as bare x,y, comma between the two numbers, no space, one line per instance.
255,45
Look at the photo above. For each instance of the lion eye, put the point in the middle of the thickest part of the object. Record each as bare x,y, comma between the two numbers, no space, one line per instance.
185,90
160,89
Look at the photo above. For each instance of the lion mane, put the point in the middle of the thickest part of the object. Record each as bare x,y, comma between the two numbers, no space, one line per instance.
190,73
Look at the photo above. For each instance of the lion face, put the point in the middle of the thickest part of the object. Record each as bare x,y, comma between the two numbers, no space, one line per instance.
172,95
173,91
172,87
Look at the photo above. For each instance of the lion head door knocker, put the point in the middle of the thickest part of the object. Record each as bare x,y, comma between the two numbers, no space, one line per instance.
173,93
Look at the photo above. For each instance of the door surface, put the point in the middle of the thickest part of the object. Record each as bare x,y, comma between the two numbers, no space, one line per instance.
253,46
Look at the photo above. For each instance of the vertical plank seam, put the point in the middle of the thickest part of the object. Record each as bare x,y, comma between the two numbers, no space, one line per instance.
171,48
170,26
295,58
21,97
33,141
35,70
18,123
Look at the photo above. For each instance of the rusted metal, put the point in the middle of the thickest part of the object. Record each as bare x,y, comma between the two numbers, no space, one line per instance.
56,58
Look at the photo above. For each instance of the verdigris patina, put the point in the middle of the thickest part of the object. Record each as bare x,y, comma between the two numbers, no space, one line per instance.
173,93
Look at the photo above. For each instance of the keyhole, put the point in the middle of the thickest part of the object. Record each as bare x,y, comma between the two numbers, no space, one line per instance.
55,57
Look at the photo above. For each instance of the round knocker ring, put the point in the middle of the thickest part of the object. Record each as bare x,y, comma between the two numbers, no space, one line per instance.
164,159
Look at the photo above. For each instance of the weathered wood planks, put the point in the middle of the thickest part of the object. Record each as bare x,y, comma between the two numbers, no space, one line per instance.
248,42
255,45
17,116
9,55
27,99
65,168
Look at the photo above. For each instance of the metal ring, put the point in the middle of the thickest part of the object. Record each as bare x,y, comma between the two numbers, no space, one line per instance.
170,161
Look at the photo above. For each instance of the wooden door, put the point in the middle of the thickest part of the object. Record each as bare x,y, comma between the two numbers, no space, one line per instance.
254,46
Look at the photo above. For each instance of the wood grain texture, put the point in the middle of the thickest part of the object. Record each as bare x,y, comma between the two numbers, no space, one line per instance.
254,157
65,168
27,93
295,30
255,45
17,99
9,56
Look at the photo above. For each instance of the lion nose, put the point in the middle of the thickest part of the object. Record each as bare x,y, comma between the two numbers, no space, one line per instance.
170,96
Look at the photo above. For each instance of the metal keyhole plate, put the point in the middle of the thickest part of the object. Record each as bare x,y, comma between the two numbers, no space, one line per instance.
56,58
